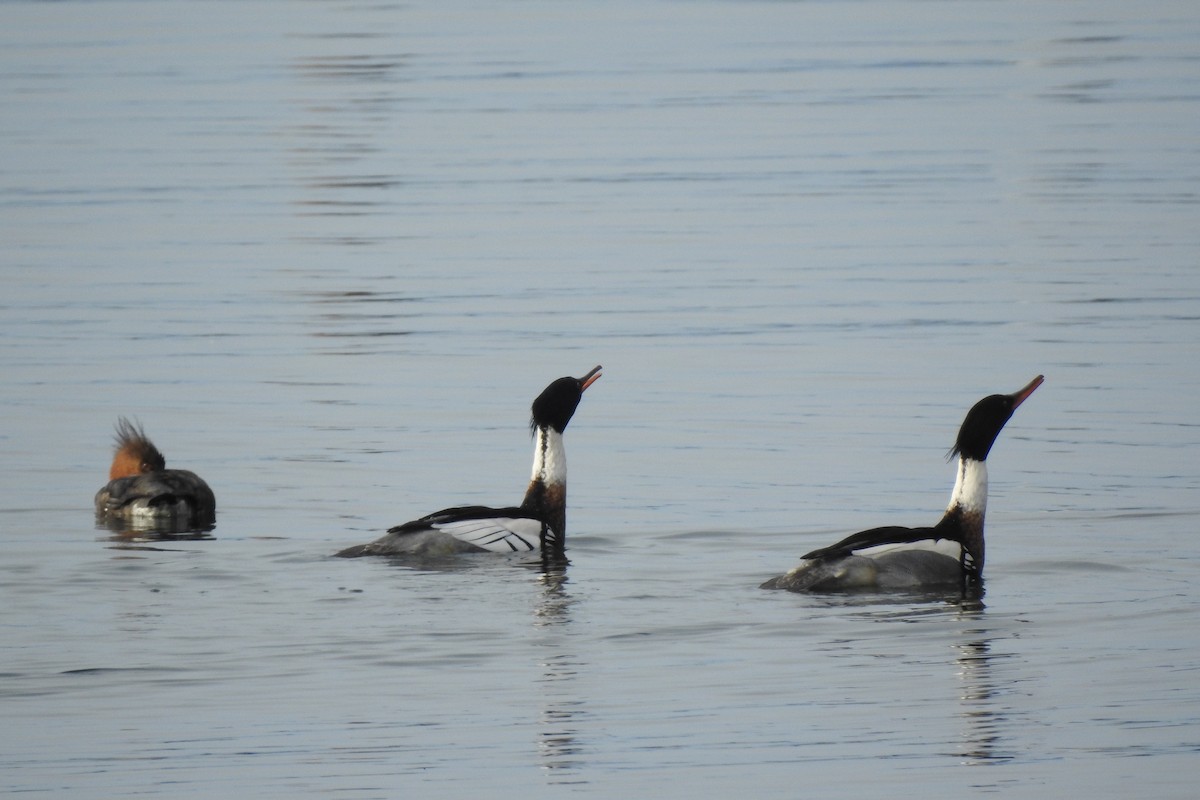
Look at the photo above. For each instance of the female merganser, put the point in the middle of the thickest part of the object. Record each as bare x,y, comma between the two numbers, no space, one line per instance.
142,490
948,554
538,524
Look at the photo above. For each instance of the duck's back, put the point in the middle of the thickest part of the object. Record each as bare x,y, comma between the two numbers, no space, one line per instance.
466,529
170,494
907,568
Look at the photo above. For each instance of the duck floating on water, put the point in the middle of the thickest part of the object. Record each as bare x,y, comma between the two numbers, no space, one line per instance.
949,554
141,490
538,525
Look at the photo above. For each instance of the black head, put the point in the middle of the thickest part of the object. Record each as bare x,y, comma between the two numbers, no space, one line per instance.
556,405
986,419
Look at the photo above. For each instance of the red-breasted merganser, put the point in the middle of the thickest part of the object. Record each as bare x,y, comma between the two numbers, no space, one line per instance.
947,554
142,490
539,524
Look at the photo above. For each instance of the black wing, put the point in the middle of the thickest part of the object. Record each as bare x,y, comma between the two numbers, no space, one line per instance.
457,514
874,537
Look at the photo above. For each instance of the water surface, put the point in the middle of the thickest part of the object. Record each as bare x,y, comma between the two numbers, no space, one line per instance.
328,253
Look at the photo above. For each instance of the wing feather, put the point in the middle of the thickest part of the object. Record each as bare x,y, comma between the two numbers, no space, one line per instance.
875,537
498,534
500,530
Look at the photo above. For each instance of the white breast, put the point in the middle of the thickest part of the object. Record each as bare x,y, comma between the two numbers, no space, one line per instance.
970,487
549,457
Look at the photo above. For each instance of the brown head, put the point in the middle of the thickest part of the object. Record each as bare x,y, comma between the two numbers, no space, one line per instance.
135,454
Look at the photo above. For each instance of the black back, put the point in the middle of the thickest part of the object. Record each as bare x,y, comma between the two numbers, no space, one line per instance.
890,534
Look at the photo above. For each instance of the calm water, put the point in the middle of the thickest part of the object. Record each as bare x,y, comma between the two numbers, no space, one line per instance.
327,253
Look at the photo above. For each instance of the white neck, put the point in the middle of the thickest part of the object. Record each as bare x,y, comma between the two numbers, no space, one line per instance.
970,488
549,457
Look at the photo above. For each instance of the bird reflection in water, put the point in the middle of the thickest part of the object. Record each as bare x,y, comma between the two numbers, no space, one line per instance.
984,717
562,709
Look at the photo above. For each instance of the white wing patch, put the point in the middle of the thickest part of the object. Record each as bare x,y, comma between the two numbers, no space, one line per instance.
943,546
497,534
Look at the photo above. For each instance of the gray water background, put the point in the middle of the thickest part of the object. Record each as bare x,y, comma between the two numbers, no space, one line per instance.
327,253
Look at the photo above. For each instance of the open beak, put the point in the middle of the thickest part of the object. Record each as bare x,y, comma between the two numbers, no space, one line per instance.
591,377
1020,396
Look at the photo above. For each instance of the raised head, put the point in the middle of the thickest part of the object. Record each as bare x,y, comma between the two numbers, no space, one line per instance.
986,419
135,454
555,406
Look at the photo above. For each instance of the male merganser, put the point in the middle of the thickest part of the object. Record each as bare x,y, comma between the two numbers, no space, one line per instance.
538,524
948,554
142,490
